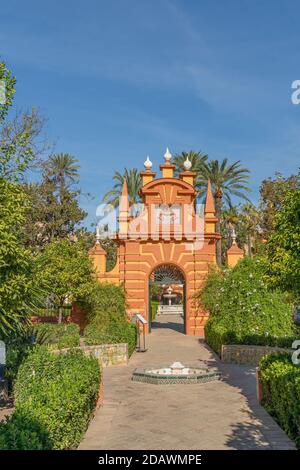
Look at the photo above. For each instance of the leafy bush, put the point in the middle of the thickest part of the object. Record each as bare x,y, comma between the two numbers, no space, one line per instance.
20,432
108,320
66,271
107,301
214,286
15,355
283,247
154,307
115,333
54,394
59,335
243,310
281,392
18,345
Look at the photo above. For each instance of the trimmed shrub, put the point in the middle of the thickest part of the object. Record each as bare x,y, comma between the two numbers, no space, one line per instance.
59,335
19,344
20,432
115,333
154,307
281,392
106,302
107,321
243,310
16,354
54,394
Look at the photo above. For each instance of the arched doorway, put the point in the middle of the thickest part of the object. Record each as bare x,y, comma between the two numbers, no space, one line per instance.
167,294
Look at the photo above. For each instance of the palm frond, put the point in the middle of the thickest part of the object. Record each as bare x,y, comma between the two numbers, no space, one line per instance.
134,183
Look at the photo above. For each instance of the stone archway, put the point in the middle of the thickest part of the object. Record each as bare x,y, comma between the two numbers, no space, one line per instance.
168,298
168,230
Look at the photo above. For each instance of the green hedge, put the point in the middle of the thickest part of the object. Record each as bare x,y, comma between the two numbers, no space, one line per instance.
55,395
106,302
115,333
15,355
154,306
18,345
281,392
107,321
243,310
21,432
59,335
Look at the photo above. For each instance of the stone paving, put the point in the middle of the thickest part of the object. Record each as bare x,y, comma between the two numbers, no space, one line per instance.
218,415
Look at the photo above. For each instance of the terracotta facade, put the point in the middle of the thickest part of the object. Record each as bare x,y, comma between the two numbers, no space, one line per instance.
145,242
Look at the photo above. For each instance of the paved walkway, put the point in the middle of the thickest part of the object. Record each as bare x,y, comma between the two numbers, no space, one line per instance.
218,415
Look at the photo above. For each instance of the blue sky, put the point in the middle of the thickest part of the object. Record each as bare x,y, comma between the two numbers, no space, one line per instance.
122,79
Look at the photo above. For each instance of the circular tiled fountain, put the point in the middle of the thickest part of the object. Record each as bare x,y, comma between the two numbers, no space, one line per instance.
176,373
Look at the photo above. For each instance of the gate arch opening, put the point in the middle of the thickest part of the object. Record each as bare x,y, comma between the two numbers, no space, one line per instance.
167,296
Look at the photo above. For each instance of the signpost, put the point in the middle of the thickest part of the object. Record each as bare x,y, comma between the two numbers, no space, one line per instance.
3,381
141,322
2,358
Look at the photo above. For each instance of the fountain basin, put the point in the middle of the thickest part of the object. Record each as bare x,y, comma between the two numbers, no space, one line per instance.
176,374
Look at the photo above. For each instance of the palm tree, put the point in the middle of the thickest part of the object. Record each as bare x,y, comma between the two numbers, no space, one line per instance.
251,220
230,218
196,158
227,180
63,168
60,173
134,184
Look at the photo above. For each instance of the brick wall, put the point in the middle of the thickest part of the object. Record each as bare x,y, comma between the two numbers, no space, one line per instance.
79,316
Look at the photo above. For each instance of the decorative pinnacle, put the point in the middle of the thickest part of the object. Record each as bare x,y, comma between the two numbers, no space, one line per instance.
148,163
167,156
187,164
233,236
98,237
209,202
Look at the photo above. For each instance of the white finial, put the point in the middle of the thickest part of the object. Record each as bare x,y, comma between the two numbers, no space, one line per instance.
167,156
187,164
98,237
233,236
148,163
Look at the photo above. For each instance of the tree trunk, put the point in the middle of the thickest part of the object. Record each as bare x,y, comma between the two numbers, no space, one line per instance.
218,199
60,314
249,245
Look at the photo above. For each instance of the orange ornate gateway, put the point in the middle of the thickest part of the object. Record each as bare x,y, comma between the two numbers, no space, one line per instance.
168,231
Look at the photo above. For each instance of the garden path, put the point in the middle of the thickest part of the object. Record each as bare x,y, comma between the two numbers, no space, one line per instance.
217,415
